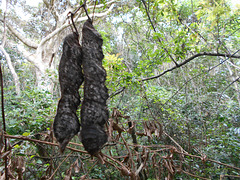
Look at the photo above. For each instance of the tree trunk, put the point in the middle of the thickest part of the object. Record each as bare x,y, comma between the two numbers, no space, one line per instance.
12,70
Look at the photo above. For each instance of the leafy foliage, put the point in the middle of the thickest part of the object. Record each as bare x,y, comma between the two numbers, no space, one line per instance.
33,112
186,121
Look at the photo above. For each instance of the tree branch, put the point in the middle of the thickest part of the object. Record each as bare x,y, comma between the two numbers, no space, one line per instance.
55,32
118,92
29,56
50,6
193,175
34,45
237,79
40,141
24,40
14,74
159,39
188,60
101,5
199,75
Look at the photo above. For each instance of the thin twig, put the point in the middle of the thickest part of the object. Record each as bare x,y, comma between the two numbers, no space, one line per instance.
129,152
204,72
160,41
43,142
149,18
114,160
92,167
59,165
118,92
228,87
193,175
217,162
180,147
234,176
4,123
94,9
206,159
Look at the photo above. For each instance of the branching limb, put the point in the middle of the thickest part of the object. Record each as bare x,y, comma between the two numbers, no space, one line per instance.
23,39
78,20
34,45
51,8
189,80
211,160
117,92
190,59
102,5
160,40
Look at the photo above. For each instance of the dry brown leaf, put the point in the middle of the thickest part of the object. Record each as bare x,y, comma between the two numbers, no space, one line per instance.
153,159
116,113
160,128
147,130
117,128
110,127
76,167
165,163
149,134
204,158
20,167
83,177
146,155
2,177
140,134
125,171
100,157
143,151
125,159
68,174
151,126
10,175
131,128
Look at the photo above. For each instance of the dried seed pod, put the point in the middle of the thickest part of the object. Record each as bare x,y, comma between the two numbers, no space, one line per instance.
66,124
94,112
70,71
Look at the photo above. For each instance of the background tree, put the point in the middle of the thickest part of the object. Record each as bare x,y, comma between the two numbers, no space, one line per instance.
173,79
40,32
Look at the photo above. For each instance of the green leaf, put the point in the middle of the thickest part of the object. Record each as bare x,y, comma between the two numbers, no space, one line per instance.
26,134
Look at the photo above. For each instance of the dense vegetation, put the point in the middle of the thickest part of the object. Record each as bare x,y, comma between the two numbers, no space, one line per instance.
173,79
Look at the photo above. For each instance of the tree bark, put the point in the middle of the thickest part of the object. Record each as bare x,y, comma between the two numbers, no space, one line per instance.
94,112
66,124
